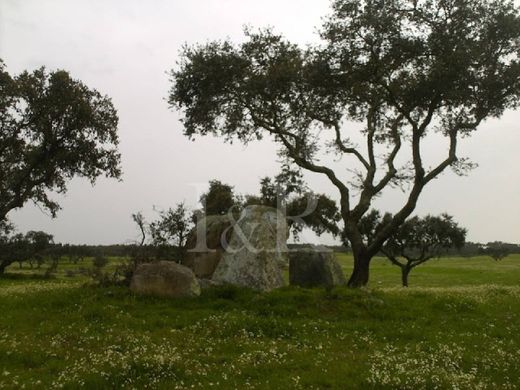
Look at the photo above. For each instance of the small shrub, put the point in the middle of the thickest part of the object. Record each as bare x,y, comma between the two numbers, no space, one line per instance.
100,261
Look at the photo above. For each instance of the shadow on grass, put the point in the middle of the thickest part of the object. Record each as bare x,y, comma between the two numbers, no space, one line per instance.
22,276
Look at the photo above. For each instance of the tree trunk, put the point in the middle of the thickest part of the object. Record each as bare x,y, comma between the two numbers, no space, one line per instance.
405,271
360,274
3,266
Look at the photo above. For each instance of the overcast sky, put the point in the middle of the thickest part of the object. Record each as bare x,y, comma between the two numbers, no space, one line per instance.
125,48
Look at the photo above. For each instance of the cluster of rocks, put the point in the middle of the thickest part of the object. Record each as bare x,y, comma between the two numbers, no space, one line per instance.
251,252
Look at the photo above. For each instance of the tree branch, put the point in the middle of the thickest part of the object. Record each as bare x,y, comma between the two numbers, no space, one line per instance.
452,157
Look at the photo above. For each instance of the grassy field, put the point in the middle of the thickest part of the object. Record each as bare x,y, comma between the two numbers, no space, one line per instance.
457,327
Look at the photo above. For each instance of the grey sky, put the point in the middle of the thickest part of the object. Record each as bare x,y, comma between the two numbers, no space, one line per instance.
124,49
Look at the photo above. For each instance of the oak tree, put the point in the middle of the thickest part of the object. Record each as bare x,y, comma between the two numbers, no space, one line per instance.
18,247
399,69
497,250
416,241
219,198
52,128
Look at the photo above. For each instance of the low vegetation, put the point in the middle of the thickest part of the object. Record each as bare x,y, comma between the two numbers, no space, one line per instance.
459,329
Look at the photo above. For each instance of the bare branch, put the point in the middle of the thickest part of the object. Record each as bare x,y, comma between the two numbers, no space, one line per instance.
333,124
348,150
392,171
452,157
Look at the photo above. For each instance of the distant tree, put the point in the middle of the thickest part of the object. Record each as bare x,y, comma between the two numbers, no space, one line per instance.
139,220
52,128
165,238
5,232
471,249
417,241
140,253
171,230
80,252
15,248
38,245
54,255
403,69
496,250
219,199
75,253
99,261
21,248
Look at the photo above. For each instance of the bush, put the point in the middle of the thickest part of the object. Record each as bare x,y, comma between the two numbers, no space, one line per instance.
100,261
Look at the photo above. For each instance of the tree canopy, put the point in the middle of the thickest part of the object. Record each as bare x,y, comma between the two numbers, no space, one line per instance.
172,229
52,128
303,207
402,69
416,241
219,198
23,247
497,250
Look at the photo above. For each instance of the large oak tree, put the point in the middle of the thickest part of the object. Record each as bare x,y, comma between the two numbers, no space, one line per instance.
402,68
52,128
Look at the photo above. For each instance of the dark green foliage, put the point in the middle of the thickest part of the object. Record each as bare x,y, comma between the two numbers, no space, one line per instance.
288,192
420,239
497,250
316,211
29,247
170,232
172,227
402,68
99,261
219,200
416,241
5,228
52,128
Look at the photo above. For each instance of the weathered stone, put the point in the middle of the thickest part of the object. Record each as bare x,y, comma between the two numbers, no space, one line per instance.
315,267
256,250
210,235
165,279
207,283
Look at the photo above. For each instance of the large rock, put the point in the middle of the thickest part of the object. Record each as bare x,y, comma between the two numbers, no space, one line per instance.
315,267
207,283
206,245
256,252
165,279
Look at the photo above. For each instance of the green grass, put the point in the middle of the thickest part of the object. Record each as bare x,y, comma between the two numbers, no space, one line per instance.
445,272
458,326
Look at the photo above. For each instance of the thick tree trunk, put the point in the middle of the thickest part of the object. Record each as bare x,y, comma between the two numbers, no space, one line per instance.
405,271
361,271
360,274
3,266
